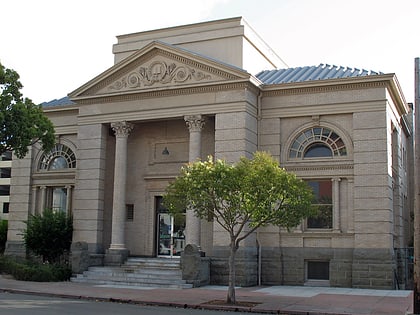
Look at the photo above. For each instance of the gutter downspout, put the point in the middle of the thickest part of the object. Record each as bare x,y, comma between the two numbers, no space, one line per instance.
259,118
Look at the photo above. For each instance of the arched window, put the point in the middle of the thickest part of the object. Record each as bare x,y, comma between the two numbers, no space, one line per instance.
60,157
317,142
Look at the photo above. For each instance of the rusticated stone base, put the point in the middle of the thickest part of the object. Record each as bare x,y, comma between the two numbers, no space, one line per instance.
15,249
348,267
361,268
373,268
286,266
246,266
115,257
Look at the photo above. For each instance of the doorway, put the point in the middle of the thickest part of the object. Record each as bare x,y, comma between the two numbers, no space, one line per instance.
170,231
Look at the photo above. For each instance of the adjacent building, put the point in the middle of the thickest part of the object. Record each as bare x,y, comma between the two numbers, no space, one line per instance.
5,173
216,88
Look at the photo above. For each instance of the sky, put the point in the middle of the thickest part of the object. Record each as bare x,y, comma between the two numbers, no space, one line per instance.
57,46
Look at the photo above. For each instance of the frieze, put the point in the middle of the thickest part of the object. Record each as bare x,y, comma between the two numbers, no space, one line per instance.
159,72
167,92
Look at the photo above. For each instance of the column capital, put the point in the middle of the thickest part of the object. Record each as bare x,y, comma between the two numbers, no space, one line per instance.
194,122
122,128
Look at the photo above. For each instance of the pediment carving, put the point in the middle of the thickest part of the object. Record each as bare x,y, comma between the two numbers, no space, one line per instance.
160,72
156,67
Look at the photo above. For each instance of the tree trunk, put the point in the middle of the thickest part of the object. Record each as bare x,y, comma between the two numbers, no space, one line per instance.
231,297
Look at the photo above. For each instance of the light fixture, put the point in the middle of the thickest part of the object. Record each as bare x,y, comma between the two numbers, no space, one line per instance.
165,151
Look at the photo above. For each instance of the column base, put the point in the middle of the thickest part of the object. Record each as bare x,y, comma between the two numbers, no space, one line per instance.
116,256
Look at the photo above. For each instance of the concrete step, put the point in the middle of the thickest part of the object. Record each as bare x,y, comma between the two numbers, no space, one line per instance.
130,278
132,284
136,275
165,263
139,271
156,272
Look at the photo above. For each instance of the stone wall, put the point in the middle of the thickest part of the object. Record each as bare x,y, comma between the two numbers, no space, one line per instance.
246,266
358,268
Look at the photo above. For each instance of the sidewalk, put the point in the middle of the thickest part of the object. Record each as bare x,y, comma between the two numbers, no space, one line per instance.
270,300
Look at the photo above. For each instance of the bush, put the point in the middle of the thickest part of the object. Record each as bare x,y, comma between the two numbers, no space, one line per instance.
31,271
49,235
3,235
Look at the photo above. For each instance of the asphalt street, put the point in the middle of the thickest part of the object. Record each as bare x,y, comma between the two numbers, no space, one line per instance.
21,304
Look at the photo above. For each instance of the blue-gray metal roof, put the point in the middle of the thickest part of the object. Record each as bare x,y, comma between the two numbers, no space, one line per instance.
60,102
311,73
278,76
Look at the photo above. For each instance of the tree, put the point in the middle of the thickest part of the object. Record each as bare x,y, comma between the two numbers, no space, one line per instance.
241,198
22,123
49,234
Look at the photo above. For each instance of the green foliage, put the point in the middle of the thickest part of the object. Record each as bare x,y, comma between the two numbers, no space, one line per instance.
22,123
254,192
3,235
49,234
241,198
31,271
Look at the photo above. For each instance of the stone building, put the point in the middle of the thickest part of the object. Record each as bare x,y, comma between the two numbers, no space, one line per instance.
216,88
5,172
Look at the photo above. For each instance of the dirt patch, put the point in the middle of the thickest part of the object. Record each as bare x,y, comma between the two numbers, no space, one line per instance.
244,304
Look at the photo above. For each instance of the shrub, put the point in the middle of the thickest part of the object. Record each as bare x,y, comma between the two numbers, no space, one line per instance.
31,271
3,235
49,234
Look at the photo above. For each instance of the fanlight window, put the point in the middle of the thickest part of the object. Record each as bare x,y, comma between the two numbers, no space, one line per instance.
318,142
60,157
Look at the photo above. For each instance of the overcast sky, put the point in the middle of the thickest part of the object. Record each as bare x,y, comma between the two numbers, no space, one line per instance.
58,45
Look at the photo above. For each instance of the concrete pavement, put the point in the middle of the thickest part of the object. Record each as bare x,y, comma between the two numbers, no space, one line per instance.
269,300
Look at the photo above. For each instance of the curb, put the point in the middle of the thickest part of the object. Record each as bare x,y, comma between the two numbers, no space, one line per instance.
203,306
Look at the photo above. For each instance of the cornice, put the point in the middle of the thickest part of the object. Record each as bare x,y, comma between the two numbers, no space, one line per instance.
199,65
303,168
293,88
162,177
165,92
55,175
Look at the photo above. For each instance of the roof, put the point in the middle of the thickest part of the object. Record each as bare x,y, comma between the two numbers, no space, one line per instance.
311,73
60,102
278,76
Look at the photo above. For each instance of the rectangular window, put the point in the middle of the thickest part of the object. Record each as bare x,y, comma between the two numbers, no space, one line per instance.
4,190
323,203
318,270
6,156
5,172
130,212
56,198
5,207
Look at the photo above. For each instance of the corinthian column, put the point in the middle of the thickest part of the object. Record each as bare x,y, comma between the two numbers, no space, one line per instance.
122,130
195,124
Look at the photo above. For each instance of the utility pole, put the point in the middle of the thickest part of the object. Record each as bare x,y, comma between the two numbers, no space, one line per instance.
416,295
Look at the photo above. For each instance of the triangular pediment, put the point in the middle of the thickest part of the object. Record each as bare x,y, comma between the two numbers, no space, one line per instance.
158,66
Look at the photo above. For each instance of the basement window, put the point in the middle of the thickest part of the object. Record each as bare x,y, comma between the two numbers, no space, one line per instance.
317,272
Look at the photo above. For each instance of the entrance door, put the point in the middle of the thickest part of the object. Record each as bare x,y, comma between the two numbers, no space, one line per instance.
170,231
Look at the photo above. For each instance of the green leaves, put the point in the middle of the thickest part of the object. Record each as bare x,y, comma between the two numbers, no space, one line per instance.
254,192
49,234
241,198
22,123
